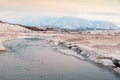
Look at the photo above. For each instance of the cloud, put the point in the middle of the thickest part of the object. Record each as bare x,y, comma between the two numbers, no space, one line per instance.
61,7
88,5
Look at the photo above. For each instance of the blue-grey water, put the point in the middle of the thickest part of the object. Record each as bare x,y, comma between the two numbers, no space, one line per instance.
34,59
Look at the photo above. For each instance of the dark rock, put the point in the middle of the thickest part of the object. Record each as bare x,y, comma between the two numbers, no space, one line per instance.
69,47
116,62
0,21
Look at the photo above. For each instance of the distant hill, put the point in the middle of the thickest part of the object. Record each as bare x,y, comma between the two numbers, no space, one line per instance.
69,23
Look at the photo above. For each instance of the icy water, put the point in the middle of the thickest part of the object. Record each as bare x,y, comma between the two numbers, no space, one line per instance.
34,59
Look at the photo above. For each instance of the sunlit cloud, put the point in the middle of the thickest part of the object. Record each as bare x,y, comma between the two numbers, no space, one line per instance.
63,5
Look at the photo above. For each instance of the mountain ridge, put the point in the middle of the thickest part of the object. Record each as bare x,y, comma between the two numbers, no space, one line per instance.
69,23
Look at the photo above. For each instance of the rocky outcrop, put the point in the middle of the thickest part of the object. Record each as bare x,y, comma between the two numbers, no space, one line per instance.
116,62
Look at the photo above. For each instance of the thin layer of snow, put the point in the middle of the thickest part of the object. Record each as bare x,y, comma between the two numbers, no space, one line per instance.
117,69
5,27
105,62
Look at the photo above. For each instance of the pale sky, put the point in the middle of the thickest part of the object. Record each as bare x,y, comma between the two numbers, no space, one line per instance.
91,9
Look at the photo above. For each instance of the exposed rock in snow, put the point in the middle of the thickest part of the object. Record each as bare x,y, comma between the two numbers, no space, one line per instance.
71,53
116,62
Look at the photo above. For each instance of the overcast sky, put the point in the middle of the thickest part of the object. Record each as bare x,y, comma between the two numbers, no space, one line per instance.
91,9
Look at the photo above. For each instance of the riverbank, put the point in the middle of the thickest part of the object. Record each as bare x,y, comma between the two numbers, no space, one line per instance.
102,47
12,31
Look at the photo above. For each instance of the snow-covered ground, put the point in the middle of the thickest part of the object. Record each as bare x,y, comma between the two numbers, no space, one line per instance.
12,31
9,31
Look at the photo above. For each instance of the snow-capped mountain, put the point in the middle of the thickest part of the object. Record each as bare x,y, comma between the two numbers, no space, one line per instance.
70,23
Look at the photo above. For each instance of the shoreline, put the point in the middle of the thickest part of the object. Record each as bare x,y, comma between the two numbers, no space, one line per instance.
2,48
91,53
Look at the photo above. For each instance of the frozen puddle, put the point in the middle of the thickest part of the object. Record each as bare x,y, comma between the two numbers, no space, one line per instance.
33,59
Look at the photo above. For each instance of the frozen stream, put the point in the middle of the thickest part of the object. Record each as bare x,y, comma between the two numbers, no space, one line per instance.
34,59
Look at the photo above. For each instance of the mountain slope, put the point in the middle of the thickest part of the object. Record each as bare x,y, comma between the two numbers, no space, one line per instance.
70,23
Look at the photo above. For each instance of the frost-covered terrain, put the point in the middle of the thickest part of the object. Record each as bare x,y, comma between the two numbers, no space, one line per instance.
70,23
